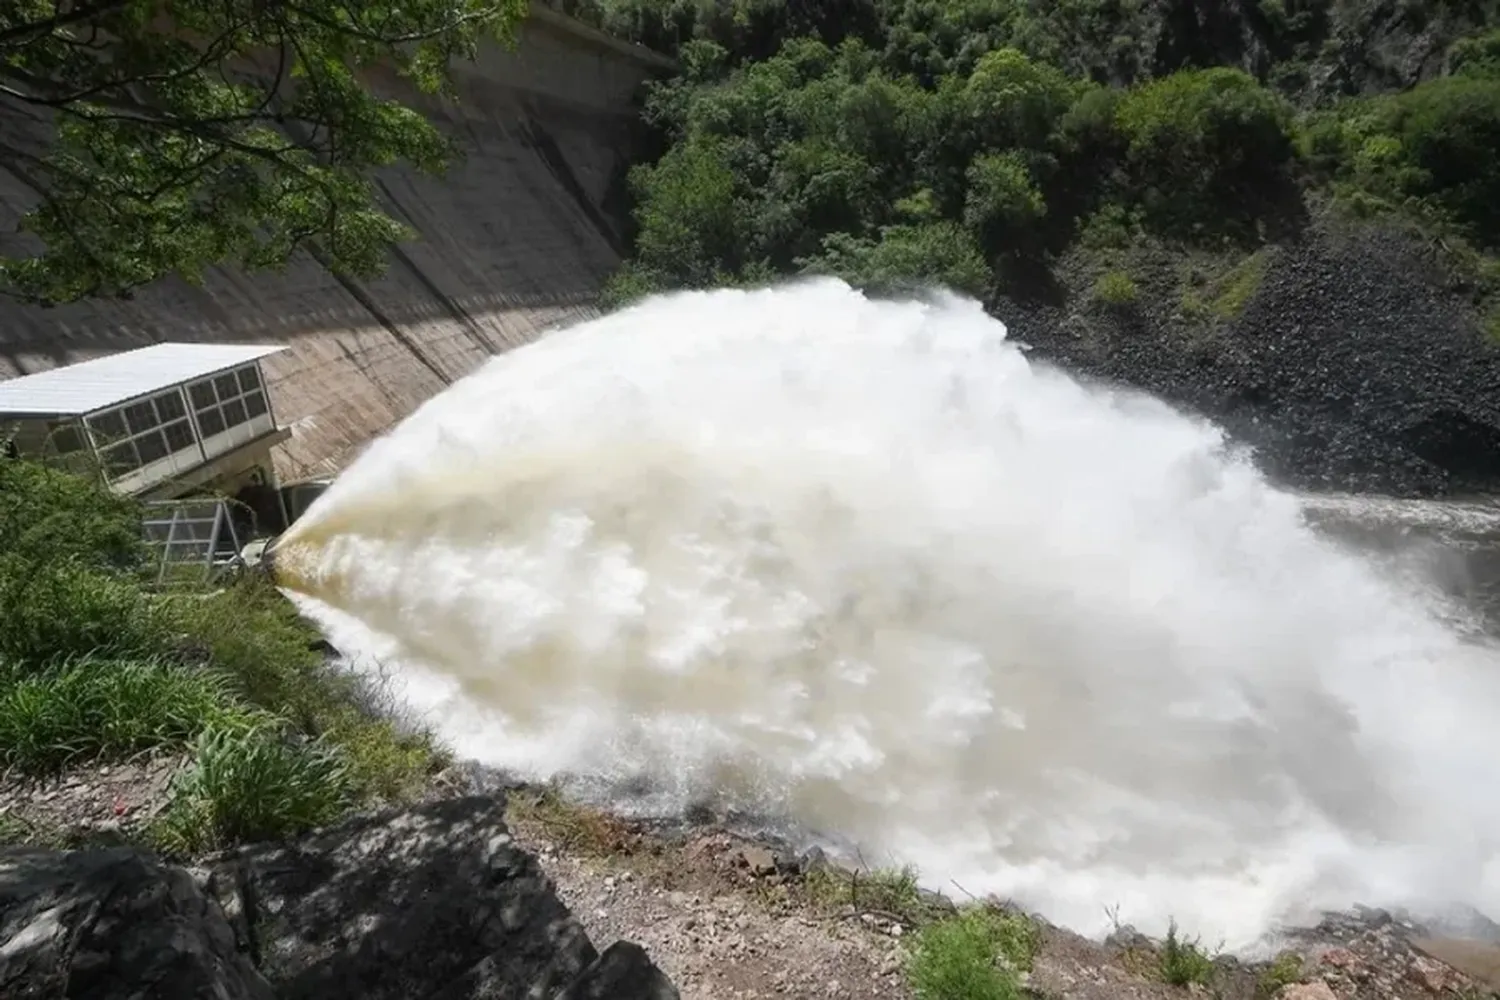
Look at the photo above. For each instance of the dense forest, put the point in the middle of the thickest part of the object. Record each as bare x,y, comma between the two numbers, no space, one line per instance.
972,142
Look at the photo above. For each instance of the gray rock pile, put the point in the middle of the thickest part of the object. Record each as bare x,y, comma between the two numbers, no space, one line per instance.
435,901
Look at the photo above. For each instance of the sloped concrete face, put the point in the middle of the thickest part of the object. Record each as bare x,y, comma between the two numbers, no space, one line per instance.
515,239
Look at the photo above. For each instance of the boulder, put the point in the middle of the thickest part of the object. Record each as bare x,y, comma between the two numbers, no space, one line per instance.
432,901
110,924
435,901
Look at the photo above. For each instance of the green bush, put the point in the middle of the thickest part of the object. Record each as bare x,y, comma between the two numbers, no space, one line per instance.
904,258
1016,103
51,516
1429,150
1183,962
688,213
101,708
253,783
1116,288
972,956
1477,57
93,664
1003,201
61,610
1203,147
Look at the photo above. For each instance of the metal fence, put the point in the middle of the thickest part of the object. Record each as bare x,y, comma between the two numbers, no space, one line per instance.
194,539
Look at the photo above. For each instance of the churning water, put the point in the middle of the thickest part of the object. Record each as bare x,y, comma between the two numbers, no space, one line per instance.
862,565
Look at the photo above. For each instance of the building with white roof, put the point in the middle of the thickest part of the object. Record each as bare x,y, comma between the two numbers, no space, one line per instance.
162,422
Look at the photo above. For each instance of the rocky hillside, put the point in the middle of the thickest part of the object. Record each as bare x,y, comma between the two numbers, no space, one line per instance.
1280,213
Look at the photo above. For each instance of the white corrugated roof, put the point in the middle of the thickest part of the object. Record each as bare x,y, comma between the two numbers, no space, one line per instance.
94,385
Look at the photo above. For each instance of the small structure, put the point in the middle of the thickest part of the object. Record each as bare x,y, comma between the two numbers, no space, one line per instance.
170,422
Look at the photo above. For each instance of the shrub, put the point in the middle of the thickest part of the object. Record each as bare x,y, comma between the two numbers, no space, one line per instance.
1184,962
101,708
1446,133
1116,288
687,212
1016,103
51,516
905,257
1204,145
94,665
1428,150
1477,57
1003,200
253,783
972,956
63,610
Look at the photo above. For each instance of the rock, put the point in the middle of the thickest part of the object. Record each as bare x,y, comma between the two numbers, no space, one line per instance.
814,859
623,970
756,859
1306,991
435,901
114,924
1350,368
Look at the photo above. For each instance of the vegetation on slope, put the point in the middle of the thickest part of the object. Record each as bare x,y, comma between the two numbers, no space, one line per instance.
96,665
972,142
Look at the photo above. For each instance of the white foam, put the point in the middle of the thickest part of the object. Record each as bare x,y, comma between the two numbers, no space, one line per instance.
864,564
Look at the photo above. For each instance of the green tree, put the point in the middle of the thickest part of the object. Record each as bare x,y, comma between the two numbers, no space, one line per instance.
195,132
1205,148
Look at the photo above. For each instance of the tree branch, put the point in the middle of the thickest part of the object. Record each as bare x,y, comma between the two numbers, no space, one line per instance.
9,35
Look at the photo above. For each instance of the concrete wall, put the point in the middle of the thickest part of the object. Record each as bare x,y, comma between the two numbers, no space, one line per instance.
515,239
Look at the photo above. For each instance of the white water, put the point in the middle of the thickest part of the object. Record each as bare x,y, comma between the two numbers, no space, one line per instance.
863,565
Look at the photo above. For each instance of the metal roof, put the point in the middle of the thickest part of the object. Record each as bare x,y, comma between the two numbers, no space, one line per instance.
79,389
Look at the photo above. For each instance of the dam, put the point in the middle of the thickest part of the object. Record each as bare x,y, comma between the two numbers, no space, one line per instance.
516,238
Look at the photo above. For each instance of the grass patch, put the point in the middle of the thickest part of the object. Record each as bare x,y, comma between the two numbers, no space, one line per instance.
16,831
1183,962
975,955
255,783
570,825
1116,288
98,663
1491,325
890,891
107,709
1240,285
1283,972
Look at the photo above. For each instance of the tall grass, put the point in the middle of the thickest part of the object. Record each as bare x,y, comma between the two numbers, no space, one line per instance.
975,955
92,708
254,783
95,664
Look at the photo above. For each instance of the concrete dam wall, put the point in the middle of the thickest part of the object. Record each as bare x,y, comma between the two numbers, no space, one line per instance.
515,239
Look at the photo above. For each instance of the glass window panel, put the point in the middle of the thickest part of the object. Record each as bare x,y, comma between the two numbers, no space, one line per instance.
120,459
203,395
226,386
179,435
109,425
210,422
234,413
140,417
255,404
169,406
151,447
249,379
66,438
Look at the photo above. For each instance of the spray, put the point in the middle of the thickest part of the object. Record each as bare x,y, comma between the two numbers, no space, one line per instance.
861,564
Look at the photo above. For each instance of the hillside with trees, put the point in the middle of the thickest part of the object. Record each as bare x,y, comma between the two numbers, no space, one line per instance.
1104,174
